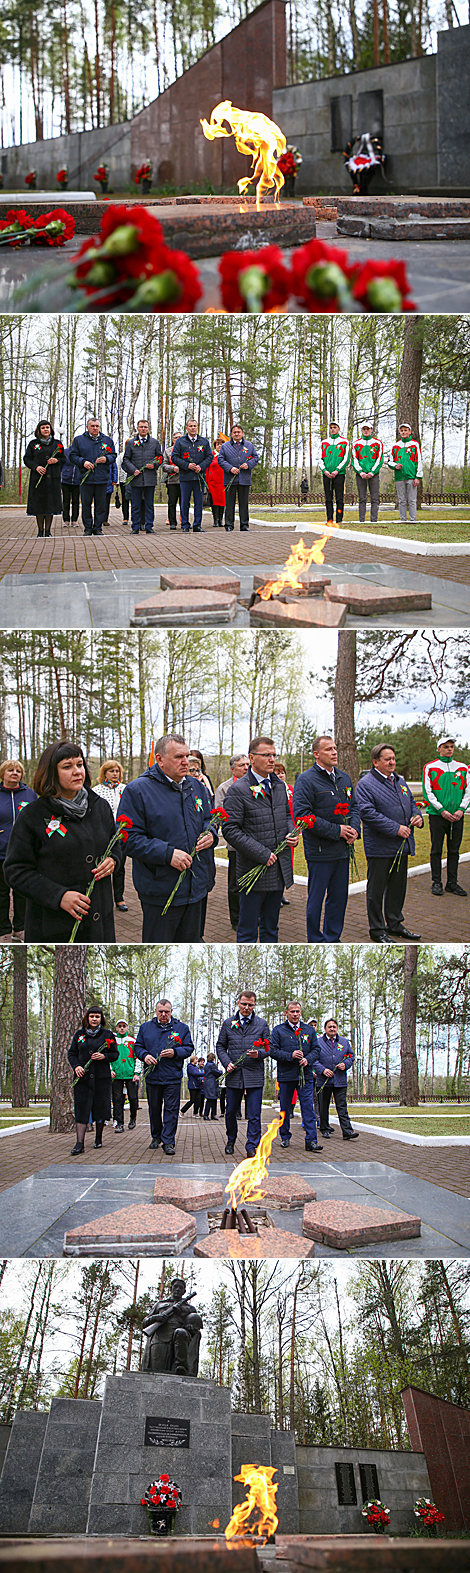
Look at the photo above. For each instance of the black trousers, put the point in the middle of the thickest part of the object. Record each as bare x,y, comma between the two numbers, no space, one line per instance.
340,1095
174,497
210,1108
386,893
233,890
118,880
217,514
19,907
179,923
117,1090
125,503
439,829
70,502
195,1101
93,495
243,493
164,1108
333,485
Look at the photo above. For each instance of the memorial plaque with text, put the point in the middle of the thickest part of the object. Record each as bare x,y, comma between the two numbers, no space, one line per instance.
161,1432
346,1485
369,1481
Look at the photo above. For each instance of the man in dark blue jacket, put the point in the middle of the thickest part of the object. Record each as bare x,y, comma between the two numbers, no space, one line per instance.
389,815
327,795
170,824
93,453
293,1046
163,1045
192,454
244,1036
237,459
334,1057
70,486
141,460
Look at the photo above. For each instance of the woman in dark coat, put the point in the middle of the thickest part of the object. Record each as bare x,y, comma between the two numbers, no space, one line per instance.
210,1088
55,848
44,457
92,1093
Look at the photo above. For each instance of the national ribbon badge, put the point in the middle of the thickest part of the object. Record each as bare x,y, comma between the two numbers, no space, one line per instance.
55,824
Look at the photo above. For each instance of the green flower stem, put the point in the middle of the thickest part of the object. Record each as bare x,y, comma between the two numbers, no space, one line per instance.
43,477
118,837
78,1078
249,879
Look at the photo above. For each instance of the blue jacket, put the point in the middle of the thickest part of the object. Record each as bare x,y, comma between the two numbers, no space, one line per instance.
283,1042
152,1038
11,803
186,452
164,817
86,447
329,1052
113,476
383,808
235,1037
70,472
212,1075
315,793
236,453
195,1078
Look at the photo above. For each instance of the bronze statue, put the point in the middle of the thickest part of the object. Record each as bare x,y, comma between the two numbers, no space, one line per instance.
173,1330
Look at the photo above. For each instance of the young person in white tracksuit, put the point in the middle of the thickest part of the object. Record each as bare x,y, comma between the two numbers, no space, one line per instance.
406,460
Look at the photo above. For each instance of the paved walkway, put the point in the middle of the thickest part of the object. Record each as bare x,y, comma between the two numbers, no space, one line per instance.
445,921
73,581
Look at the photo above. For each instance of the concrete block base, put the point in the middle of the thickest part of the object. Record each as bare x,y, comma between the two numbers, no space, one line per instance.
168,608
300,613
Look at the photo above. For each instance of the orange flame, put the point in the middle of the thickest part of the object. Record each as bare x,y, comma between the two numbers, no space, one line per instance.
246,1180
255,135
260,1501
214,1523
301,557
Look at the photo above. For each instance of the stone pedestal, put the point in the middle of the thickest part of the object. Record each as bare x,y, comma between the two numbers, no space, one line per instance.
19,1472
124,1465
60,1503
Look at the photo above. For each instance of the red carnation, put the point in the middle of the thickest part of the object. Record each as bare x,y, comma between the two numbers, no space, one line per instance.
60,224
306,821
174,285
254,280
219,813
341,809
320,275
383,286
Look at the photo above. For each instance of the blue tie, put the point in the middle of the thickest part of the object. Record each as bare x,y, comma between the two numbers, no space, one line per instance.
267,786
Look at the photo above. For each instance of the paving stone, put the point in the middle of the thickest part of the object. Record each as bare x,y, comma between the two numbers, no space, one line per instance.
369,1554
288,1191
325,208
116,1555
150,1231
404,229
189,1193
405,207
195,581
270,1242
346,1224
367,599
309,613
200,605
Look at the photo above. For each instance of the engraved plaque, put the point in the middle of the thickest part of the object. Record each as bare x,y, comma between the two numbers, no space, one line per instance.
346,1485
369,1481
162,1432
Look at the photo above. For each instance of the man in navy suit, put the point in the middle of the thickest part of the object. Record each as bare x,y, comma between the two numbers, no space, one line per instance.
334,1057
327,795
259,820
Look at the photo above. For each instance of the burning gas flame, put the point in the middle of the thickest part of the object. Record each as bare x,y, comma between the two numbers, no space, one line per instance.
255,135
259,1506
246,1180
301,557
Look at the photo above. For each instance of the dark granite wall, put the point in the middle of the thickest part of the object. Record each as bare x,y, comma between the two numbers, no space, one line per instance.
442,1432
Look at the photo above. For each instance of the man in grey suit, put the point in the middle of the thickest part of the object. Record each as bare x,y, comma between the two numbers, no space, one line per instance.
259,820
239,764
141,461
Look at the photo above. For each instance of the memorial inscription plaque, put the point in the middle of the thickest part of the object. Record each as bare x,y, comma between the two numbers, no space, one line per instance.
346,1485
369,1481
161,1432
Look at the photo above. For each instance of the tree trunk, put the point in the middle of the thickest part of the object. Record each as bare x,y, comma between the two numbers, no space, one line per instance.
19,1067
409,1085
410,381
67,1011
345,694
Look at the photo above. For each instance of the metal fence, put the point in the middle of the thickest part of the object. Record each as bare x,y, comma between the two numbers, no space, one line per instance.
295,499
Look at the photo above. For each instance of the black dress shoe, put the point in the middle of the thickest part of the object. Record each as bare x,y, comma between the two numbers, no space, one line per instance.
313,1147
326,1135
230,1148
154,1144
437,888
350,1136
382,939
456,890
403,933
284,902
121,906
79,1147
168,1149
251,1152
98,1144
132,1125
244,527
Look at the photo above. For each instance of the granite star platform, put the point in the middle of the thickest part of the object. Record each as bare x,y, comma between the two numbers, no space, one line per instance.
204,226
188,1193
252,1247
390,218
162,1230
346,1225
113,1554
185,607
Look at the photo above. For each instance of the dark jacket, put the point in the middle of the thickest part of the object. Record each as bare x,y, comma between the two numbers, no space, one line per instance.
44,492
137,453
235,1037
329,1052
237,453
195,1078
171,477
212,1074
284,1040
256,825
315,793
186,452
164,817
92,448
70,472
383,808
152,1038
11,804
42,867
93,1091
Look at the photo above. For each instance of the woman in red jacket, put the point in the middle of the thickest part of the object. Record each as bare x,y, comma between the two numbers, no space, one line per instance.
216,488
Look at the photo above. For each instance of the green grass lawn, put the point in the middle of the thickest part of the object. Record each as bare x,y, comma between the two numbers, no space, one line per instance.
422,840
427,1125
36,1111
436,525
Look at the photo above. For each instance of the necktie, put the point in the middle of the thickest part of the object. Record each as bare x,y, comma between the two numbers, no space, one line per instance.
267,786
